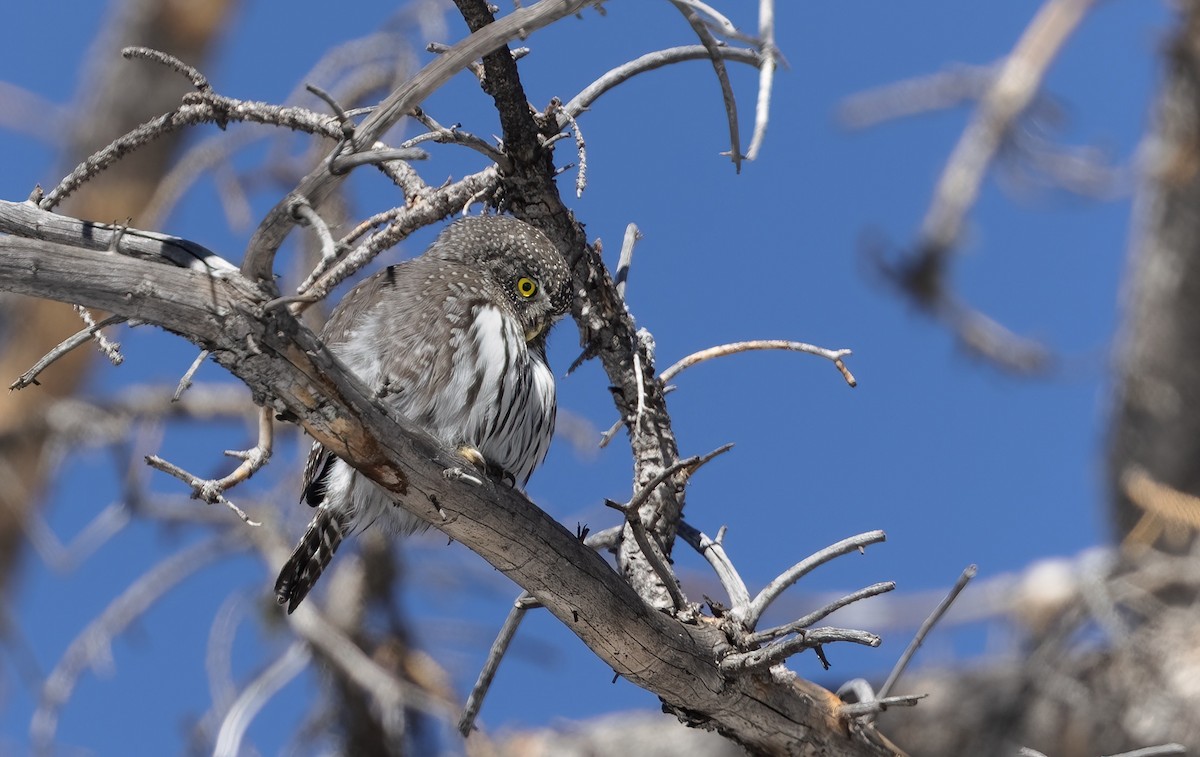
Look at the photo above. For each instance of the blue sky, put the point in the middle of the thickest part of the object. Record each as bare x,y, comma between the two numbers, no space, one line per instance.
957,462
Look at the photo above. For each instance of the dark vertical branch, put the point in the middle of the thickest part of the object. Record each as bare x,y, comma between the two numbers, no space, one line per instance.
605,325
1156,420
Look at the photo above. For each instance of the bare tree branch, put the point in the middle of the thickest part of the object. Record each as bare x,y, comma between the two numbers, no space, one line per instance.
288,369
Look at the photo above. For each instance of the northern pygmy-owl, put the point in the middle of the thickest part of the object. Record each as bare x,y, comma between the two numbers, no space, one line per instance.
456,341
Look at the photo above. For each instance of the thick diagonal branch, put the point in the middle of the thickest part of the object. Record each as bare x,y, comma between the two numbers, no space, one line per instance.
290,371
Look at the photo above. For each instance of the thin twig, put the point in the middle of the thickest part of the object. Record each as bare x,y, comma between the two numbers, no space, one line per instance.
876,706
924,630
335,106
718,63
766,75
434,206
256,695
793,574
170,61
715,17
649,62
454,135
714,553
522,605
374,156
206,108
68,344
800,624
330,249
835,356
773,654
205,489
690,465
921,94
652,551
641,391
581,151
632,235
111,350
185,382
600,540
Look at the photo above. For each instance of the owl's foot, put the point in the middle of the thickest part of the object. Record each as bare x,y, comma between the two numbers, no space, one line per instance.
494,472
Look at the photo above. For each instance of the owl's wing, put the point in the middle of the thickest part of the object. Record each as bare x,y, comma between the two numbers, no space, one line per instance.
345,318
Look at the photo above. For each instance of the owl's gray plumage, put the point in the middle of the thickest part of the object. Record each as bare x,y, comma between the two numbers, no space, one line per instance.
456,341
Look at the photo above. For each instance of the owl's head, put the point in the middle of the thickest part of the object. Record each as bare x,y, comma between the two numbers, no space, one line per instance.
518,260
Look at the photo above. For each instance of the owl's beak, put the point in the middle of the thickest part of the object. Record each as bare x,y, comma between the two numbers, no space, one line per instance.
532,332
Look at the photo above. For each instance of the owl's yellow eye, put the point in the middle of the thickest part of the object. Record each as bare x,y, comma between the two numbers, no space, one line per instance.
526,287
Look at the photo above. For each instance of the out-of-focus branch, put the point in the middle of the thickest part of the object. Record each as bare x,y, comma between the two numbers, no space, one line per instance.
95,641
1155,428
113,98
923,276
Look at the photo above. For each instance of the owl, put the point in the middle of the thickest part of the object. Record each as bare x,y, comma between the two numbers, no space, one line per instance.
455,340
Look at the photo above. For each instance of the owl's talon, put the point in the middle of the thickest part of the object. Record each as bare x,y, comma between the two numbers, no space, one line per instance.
502,476
492,471
458,474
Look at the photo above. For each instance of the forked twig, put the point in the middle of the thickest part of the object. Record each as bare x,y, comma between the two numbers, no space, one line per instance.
68,344
213,491
633,518
773,654
793,574
1013,89
800,624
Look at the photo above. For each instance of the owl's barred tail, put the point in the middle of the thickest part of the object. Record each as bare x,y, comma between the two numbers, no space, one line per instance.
309,559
